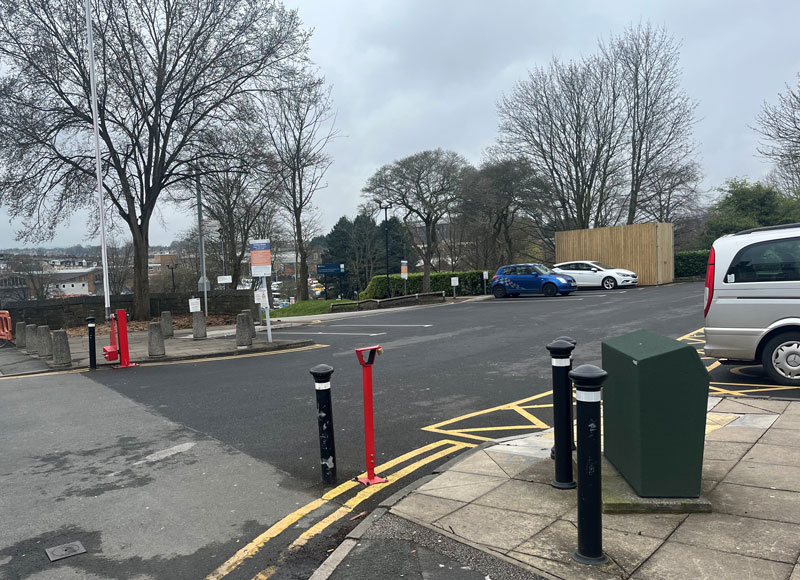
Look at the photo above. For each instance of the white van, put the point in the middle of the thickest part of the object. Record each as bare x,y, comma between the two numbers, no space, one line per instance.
752,300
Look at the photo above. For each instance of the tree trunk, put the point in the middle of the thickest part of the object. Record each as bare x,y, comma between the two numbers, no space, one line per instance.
302,276
141,281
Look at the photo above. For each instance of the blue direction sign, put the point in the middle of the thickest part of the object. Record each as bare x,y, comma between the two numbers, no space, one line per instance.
330,268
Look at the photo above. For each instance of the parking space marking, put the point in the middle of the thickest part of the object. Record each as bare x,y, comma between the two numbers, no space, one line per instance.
252,548
43,374
336,333
388,325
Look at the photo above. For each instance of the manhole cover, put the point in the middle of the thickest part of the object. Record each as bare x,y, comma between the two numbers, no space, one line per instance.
65,551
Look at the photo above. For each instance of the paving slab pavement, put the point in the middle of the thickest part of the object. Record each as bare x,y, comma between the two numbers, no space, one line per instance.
497,500
221,341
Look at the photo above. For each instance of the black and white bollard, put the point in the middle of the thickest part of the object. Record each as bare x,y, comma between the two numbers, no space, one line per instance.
574,343
92,343
561,351
588,382
327,448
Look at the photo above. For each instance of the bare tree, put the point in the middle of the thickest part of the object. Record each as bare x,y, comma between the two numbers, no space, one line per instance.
300,124
120,265
566,120
41,281
422,188
166,71
779,126
671,193
658,115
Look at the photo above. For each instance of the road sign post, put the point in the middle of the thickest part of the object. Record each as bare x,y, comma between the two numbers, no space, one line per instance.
454,284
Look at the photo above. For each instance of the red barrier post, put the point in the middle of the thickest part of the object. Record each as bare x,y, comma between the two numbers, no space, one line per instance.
124,355
369,428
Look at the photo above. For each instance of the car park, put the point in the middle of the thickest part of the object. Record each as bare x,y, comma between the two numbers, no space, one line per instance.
752,300
516,279
591,273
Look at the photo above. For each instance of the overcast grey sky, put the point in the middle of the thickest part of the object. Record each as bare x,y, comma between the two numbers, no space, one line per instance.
409,75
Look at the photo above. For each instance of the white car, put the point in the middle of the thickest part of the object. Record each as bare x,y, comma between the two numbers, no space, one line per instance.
589,273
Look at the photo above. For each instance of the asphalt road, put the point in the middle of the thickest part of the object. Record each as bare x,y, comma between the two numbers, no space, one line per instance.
252,423
439,362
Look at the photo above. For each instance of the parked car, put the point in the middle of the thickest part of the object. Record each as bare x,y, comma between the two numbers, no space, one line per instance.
519,279
589,273
752,300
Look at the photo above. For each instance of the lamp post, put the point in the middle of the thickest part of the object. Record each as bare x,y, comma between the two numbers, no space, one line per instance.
386,209
98,167
171,268
222,241
203,278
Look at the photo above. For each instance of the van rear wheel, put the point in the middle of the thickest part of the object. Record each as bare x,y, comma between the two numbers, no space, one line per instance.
781,358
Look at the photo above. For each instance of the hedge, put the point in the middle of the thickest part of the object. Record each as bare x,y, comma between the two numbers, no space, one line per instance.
469,284
690,264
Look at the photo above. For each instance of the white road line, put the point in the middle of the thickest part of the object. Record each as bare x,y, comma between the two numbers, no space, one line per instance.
337,333
159,455
388,325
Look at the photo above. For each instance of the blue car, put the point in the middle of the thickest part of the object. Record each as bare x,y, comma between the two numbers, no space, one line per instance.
531,279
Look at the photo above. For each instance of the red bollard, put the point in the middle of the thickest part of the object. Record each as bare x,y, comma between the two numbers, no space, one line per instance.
369,428
122,328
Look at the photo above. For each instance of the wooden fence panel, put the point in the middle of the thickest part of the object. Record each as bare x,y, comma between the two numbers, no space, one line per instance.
647,249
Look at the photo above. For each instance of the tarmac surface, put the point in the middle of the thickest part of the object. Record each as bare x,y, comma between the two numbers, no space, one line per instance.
492,513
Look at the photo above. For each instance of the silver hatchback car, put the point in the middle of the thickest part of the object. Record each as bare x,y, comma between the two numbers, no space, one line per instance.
752,300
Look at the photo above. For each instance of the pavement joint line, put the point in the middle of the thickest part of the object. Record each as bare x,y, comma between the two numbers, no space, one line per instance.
252,548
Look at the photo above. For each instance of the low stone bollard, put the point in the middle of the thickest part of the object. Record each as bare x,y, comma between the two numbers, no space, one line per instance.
244,338
155,341
30,339
20,335
45,341
61,355
251,321
166,324
198,326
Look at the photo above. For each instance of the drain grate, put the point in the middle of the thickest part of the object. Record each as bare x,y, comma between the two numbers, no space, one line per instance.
65,551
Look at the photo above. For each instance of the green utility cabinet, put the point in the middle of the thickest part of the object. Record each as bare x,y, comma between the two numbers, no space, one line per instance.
654,413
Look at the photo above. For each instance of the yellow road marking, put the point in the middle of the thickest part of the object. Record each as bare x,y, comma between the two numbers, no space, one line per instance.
369,491
712,366
691,334
255,545
45,374
516,406
235,356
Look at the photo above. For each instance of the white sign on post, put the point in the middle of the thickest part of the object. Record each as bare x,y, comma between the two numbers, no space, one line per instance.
485,275
454,281
224,279
194,305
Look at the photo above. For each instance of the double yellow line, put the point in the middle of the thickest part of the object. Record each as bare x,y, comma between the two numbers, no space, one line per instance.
254,546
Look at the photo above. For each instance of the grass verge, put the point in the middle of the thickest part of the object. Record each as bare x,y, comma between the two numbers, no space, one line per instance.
305,308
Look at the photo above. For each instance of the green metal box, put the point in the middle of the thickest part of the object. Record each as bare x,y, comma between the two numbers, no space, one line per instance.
654,413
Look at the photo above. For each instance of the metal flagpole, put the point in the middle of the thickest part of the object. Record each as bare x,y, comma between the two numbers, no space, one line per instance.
98,168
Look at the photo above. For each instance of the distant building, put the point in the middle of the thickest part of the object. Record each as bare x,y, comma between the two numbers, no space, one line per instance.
73,282
158,262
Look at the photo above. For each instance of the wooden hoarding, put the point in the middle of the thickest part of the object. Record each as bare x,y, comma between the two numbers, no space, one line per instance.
647,249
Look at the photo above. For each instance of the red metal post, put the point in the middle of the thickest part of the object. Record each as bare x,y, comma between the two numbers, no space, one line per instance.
369,428
124,355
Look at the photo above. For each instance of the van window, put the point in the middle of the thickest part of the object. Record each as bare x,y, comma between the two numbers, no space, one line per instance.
771,261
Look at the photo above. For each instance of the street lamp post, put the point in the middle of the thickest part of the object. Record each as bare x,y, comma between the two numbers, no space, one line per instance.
222,241
171,268
386,209
202,245
98,167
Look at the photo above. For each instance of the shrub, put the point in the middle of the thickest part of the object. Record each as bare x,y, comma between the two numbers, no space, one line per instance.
692,263
469,284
